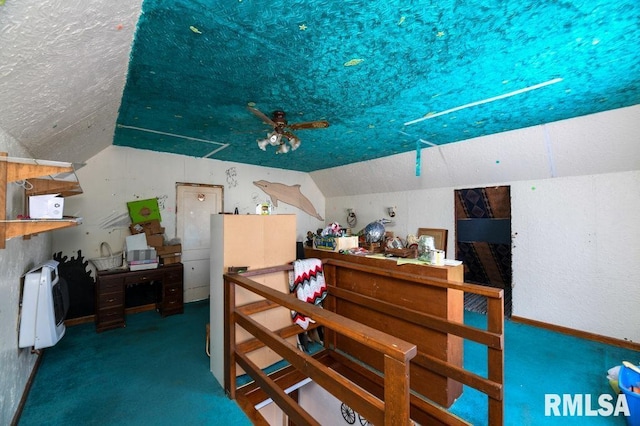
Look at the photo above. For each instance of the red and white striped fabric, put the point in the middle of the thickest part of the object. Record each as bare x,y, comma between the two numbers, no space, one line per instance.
307,283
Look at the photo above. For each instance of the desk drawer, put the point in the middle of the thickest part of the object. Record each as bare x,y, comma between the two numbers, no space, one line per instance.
173,276
110,315
173,290
108,300
173,303
143,278
109,285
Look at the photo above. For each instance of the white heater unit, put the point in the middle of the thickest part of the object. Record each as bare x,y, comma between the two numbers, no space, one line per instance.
45,301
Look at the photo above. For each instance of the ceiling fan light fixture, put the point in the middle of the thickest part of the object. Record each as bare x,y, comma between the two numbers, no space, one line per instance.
284,148
262,144
282,128
294,142
275,138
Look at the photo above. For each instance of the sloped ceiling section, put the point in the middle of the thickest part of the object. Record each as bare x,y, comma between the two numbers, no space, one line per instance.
63,67
389,76
601,143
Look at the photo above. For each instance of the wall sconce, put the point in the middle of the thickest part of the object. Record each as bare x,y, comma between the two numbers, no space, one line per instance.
352,220
392,211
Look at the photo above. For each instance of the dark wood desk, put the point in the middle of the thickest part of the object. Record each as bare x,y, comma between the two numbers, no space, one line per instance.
110,293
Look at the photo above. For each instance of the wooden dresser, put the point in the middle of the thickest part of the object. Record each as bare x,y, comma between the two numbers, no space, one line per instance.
111,286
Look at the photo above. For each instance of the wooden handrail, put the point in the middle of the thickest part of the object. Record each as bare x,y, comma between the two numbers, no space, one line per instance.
385,372
393,409
492,337
383,342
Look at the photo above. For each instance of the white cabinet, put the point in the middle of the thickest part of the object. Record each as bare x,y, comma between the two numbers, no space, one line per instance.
255,241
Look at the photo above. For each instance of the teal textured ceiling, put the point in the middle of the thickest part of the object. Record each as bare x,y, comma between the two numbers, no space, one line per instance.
389,76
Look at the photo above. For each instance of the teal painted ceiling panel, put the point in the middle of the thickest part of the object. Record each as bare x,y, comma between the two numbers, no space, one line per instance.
385,74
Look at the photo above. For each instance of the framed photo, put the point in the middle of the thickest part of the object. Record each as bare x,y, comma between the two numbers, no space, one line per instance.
439,237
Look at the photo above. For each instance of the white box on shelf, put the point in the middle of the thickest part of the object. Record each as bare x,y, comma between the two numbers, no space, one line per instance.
47,206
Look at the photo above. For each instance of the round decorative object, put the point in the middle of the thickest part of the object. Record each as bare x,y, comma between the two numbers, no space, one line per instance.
348,414
374,232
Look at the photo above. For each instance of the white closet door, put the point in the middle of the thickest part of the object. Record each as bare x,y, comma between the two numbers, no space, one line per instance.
195,205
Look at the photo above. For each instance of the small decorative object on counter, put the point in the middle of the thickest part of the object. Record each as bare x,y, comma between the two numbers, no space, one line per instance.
264,208
332,238
310,237
333,230
426,247
374,232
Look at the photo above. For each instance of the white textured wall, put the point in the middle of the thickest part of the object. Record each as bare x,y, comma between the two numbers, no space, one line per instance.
575,198
577,251
118,175
17,258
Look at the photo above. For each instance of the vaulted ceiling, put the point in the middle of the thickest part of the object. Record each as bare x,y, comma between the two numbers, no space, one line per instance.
389,76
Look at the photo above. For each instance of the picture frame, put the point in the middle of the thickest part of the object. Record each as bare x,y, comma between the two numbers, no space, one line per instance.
439,237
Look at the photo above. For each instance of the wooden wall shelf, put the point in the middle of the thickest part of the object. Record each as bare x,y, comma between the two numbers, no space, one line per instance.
44,177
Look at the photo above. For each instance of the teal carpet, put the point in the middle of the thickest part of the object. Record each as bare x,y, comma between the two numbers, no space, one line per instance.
152,372
539,362
155,371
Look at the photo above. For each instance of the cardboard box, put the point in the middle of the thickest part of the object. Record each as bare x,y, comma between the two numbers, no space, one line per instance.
47,206
156,240
151,227
335,243
170,250
170,259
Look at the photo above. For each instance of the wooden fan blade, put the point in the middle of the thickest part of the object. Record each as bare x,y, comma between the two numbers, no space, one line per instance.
262,116
309,125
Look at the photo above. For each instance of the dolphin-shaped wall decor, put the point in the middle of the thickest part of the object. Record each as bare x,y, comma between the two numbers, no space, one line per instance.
289,195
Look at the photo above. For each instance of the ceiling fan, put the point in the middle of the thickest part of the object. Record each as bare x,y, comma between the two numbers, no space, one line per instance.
281,133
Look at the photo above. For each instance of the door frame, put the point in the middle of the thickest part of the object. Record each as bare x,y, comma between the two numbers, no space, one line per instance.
196,272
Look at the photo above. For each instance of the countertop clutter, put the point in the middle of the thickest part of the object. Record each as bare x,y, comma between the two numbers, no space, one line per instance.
427,247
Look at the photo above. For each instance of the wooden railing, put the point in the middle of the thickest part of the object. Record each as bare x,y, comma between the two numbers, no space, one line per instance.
391,409
383,392
347,281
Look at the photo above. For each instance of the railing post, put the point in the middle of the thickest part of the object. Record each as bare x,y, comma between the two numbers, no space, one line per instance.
495,358
396,392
